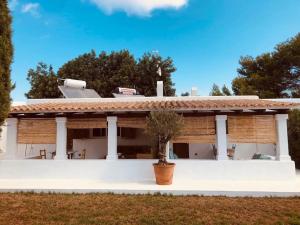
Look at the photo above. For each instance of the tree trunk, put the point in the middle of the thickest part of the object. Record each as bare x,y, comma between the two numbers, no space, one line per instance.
162,153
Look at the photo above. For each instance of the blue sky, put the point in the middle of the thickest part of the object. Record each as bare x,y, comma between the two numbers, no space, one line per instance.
205,38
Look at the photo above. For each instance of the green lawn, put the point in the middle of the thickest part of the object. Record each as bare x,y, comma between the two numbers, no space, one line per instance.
25,208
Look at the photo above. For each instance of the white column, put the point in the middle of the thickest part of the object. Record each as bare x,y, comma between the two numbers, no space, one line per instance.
61,138
221,137
11,138
282,147
112,138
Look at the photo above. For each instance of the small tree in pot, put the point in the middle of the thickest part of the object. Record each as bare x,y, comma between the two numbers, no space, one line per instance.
163,126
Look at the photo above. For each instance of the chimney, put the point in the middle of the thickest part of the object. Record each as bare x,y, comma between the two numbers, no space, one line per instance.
194,91
160,89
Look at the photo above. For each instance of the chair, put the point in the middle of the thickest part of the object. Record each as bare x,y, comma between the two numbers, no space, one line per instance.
82,154
43,154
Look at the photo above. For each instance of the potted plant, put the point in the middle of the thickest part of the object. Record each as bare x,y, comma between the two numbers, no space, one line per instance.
163,126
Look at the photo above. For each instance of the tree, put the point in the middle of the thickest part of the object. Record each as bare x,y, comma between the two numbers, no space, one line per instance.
215,91
162,126
6,56
147,74
271,75
43,81
226,91
185,93
105,72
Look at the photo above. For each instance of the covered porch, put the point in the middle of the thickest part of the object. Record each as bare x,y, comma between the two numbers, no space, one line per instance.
217,142
203,137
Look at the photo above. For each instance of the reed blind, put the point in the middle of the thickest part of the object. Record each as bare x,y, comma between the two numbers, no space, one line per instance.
86,123
252,129
36,131
132,122
197,130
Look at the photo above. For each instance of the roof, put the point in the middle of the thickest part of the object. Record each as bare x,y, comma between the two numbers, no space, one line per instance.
150,104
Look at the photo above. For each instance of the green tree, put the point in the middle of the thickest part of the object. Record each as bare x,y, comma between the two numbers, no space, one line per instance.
226,91
6,56
104,72
147,74
43,81
185,93
118,69
271,75
215,91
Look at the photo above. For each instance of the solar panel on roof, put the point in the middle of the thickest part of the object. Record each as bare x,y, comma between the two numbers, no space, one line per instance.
70,92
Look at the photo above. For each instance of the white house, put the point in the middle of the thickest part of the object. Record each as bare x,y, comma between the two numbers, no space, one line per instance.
103,139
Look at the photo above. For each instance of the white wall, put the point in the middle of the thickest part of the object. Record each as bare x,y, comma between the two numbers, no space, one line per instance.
32,150
142,170
243,151
95,148
246,151
201,151
3,139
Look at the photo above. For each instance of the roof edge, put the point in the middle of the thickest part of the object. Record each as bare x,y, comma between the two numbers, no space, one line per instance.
138,99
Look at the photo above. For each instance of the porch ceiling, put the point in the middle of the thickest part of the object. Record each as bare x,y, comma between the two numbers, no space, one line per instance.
149,105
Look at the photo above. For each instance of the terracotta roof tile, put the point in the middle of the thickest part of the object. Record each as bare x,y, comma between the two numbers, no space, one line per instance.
149,105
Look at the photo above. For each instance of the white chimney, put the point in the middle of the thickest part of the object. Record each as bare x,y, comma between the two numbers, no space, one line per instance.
194,91
160,89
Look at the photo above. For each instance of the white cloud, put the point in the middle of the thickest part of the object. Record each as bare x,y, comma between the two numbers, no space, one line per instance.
32,8
138,7
12,4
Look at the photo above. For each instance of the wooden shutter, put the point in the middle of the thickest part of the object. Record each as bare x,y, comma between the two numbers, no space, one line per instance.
252,129
37,131
86,123
132,122
197,130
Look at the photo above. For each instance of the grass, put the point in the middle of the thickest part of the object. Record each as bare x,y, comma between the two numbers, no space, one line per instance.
29,208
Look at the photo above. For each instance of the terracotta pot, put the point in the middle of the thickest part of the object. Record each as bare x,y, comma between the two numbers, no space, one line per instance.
164,173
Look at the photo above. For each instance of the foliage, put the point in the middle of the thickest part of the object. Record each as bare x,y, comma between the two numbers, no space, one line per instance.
294,135
215,91
185,93
6,57
105,72
162,126
271,75
147,74
43,81
226,91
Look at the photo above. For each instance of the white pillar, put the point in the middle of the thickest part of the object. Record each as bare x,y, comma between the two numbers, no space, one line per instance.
112,138
11,138
282,147
221,137
61,138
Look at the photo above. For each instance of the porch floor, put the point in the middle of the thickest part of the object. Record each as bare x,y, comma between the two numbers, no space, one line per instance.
206,188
